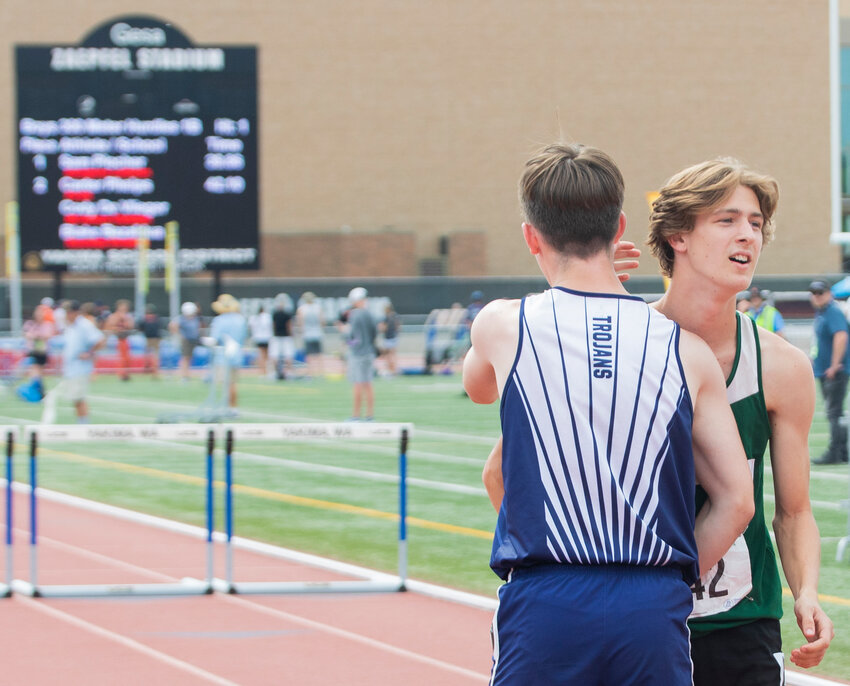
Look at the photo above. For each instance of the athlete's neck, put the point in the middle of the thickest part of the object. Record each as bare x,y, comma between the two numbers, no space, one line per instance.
704,310
595,274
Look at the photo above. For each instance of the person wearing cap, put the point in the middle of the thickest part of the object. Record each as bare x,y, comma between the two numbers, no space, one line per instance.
47,304
229,330
120,324
360,337
187,326
707,229
311,323
830,360
763,313
82,340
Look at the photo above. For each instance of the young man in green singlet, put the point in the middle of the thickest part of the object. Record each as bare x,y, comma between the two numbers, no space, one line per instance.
707,229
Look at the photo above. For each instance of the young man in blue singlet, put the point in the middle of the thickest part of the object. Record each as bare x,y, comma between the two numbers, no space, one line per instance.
707,229
609,413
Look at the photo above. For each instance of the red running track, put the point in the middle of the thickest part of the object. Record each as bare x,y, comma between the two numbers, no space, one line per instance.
375,639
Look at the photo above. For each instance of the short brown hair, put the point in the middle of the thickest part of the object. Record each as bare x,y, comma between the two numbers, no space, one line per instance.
573,195
698,189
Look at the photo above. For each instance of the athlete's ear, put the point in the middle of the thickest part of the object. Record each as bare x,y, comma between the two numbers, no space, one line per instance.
532,240
621,228
677,242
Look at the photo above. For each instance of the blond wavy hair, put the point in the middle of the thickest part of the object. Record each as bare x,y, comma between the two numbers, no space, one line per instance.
699,189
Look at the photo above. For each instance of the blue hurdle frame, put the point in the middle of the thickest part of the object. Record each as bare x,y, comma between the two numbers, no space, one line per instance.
379,582
184,587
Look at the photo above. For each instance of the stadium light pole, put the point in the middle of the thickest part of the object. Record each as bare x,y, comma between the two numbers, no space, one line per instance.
836,235
13,267
141,271
172,268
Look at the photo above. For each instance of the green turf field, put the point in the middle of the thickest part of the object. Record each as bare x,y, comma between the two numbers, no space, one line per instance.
338,498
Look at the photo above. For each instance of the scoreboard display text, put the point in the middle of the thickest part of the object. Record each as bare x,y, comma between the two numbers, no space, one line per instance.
132,129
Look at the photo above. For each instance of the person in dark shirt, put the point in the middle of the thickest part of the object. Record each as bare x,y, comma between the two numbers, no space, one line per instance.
281,346
149,326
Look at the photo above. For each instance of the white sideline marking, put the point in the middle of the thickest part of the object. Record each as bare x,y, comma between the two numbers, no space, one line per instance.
124,641
800,679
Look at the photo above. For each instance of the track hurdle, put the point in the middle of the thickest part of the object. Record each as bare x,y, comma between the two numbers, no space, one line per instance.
378,582
6,588
38,434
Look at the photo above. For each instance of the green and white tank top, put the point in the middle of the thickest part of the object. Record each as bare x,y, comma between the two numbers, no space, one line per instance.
744,585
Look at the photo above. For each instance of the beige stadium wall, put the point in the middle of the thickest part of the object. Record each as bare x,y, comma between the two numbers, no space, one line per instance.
404,122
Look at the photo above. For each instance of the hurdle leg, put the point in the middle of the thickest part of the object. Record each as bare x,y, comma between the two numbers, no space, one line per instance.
33,512
30,588
210,509
228,508
6,589
402,511
226,585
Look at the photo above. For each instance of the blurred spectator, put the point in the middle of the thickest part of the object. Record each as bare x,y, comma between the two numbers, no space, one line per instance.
120,324
311,323
229,329
59,314
446,338
37,332
187,326
830,356
47,304
360,336
390,327
476,303
282,348
261,327
82,340
149,326
763,313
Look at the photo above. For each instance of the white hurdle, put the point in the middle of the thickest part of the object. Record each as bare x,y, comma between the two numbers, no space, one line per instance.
375,583
37,434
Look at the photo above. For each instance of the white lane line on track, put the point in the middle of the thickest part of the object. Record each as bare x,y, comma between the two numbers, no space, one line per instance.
97,557
359,638
120,639
255,606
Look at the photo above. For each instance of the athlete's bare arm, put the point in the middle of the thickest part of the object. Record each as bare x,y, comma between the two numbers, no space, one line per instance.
494,336
790,396
492,476
719,458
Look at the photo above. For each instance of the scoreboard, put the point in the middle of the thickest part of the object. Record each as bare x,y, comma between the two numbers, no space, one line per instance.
133,128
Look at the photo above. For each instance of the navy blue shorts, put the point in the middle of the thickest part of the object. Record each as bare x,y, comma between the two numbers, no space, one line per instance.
592,625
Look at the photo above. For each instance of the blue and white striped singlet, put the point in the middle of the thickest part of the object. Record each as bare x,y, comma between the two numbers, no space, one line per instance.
596,423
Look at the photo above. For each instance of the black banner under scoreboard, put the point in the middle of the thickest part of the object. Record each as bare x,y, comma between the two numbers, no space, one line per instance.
131,129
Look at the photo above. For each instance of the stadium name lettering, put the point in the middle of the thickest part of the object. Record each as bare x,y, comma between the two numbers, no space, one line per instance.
601,346
123,432
145,59
315,431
